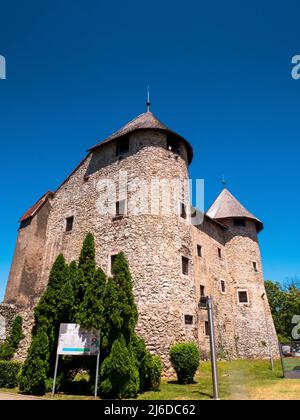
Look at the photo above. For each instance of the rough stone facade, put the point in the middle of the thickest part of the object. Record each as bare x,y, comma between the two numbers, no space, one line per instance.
154,245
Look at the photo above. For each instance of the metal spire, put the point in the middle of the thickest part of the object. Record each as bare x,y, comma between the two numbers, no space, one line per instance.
148,100
224,181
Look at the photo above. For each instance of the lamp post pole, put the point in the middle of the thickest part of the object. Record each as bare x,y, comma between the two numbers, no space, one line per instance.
213,354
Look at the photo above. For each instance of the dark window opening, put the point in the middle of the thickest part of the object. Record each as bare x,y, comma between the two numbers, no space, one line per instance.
183,210
202,291
199,250
239,222
223,286
188,319
243,297
69,224
185,266
207,332
219,252
255,266
120,208
172,145
112,261
122,146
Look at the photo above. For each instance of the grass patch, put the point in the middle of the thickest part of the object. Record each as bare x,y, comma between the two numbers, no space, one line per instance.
238,380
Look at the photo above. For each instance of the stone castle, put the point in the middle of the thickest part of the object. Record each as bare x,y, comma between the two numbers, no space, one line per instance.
173,262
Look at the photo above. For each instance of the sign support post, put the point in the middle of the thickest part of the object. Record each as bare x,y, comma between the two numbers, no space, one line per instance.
97,373
55,375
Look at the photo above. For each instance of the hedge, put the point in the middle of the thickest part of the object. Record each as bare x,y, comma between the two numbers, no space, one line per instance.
9,372
185,360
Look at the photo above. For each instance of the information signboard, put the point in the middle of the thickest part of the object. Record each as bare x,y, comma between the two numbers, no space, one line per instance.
77,341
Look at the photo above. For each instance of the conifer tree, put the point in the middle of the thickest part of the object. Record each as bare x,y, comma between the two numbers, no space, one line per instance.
92,310
119,305
119,373
35,369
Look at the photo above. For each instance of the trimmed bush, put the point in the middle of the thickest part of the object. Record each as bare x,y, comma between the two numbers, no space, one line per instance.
9,372
185,358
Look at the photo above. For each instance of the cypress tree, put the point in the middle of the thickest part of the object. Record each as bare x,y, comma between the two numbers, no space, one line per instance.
119,306
92,309
35,369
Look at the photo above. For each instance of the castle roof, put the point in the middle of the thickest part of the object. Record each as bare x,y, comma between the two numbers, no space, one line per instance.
226,205
146,121
36,207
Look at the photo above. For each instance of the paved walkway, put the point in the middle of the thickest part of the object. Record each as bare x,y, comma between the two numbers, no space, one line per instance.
10,396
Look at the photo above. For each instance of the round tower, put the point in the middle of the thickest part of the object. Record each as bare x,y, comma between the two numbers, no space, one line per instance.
252,326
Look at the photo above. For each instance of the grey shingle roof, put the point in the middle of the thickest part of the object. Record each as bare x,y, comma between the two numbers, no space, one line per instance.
146,121
226,205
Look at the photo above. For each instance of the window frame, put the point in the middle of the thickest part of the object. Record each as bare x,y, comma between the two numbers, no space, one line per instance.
199,248
120,145
223,282
186,316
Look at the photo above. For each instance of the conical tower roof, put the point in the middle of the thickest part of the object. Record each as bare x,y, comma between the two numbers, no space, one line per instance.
227,206
145,121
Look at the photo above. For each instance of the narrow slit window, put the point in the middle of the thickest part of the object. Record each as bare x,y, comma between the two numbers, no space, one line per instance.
202,291
207,332
112,261
223,286
182,210
255,268
120,208
185,266
69,224
199,250
219,253
188,319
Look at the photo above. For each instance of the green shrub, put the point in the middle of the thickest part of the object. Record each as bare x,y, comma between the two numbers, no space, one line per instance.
9,374
185,358
150,367
11,344
155,371
119,372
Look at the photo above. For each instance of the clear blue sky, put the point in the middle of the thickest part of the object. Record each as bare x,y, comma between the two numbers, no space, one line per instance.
220,74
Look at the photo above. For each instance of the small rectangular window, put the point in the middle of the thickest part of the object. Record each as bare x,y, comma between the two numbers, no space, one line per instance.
207,332
202,291
122,146
69,224
182,210
185,266
188,319
255,266
219,252
199,250
120,208
239,222
243,296
223,286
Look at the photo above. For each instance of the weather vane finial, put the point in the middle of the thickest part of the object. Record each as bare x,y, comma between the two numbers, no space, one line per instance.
148,99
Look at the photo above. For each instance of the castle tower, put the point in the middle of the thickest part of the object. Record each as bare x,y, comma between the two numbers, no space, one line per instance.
250,324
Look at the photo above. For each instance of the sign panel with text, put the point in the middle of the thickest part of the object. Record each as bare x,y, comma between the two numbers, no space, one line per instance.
77,341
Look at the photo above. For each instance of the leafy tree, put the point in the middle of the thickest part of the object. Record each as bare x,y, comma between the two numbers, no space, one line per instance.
185,360
11,344
284,304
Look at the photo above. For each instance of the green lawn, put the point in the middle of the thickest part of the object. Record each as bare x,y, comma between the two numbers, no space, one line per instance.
241,379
